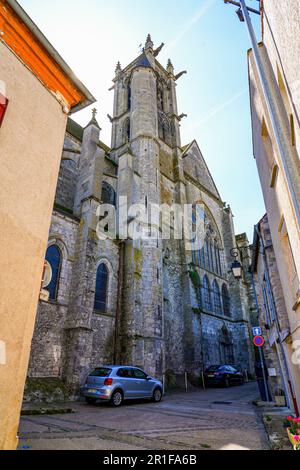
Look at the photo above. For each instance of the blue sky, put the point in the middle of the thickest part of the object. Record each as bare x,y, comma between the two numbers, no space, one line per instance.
203,37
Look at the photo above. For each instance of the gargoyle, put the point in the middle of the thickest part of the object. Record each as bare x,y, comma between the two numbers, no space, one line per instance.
157,51
182,116
180,75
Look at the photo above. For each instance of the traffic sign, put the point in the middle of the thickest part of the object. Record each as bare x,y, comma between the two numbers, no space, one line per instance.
258,341
256,331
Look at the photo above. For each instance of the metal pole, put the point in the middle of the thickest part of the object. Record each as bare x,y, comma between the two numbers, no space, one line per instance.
203,381
186,382
264,374
283,146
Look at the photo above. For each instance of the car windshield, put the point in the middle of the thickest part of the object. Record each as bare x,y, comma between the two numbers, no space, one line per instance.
213,368
101,372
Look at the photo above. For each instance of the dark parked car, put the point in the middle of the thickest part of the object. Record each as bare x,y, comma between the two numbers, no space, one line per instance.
223,374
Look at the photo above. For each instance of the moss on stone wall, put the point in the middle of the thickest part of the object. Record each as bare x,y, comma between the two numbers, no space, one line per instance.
46,390
194,277
138,261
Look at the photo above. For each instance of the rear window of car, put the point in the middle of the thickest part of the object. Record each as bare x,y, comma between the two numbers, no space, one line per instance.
101,372
213,368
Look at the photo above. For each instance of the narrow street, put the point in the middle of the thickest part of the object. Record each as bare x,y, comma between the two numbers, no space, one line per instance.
212,420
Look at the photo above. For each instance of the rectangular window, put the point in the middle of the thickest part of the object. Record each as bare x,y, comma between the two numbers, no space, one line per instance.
266,305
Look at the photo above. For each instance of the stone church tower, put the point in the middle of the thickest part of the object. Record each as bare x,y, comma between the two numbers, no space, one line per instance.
145,124
147,302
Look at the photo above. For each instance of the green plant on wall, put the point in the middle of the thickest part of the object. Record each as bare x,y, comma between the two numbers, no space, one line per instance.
194,276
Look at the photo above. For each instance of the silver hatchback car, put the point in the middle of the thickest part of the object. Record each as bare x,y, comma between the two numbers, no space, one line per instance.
118,383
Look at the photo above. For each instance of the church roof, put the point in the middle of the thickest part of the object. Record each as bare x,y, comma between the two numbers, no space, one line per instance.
76,131
143,62
192,151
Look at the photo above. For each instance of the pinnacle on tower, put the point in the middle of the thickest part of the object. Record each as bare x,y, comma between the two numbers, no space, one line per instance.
170,67
94,121
118,68
149,43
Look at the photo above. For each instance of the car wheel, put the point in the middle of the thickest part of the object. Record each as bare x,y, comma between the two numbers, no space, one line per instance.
157,395
90,401
117,399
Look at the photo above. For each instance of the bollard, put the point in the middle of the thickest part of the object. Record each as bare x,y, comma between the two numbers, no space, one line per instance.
203,380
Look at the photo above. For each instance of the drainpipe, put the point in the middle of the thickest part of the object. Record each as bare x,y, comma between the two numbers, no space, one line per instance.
278,329
259,349
288,162
119,300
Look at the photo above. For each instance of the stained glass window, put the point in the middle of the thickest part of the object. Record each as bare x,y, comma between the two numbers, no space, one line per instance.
217,298
101,288
53,256
226,301
206,297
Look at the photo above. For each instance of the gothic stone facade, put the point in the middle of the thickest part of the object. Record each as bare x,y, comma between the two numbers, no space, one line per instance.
165,308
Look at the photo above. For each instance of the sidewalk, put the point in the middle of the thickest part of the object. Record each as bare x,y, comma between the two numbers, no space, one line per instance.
273,419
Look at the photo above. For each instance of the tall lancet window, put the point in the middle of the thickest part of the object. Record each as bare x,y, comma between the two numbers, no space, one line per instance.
217,298
226,301
205,294
129,96
53,256
102,277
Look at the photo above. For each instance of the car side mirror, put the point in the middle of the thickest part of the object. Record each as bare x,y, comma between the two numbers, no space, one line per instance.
148,378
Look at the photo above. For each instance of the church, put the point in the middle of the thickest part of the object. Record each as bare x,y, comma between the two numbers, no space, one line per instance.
149,303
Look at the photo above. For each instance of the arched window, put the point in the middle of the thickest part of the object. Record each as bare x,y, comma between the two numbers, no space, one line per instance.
226,301
217,298
216,253
211,251
160,98
129,97
207,255
127,129
206,297
101,288
108,194
53,256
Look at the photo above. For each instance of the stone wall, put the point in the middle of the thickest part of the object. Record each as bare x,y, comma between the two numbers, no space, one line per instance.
154,317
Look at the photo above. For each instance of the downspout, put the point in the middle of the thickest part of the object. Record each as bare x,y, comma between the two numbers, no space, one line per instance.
119,301
283,146
278,329
260,352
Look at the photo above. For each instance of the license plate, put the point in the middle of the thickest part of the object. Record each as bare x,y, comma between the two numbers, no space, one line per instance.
210,375
92,390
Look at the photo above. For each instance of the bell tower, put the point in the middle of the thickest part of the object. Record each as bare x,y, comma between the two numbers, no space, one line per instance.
144,120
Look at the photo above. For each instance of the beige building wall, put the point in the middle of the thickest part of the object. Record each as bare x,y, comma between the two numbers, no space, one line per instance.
31,140
280,53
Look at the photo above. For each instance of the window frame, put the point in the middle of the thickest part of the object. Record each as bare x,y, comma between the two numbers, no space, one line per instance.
97,310
57,271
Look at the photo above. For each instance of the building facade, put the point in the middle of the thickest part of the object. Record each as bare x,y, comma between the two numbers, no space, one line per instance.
273,317
37,92
147,302
275,124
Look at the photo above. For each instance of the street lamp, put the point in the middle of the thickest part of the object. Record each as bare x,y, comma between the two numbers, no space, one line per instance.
236,267
240,15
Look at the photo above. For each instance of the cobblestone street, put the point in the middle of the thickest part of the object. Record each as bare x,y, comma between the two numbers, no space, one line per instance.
215,419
